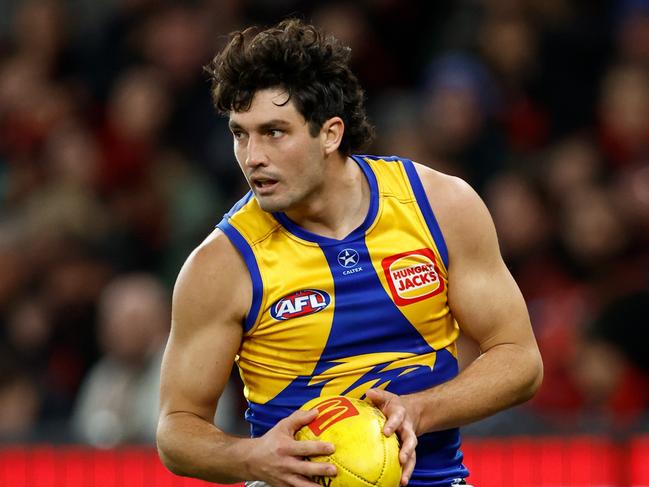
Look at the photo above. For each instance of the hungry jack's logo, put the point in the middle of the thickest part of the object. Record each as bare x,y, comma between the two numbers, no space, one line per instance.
331,411
412,276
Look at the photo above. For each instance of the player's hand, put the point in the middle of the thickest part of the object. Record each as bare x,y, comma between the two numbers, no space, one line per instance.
278,458
400,420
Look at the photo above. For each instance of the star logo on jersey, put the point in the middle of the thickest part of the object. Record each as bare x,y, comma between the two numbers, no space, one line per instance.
348,258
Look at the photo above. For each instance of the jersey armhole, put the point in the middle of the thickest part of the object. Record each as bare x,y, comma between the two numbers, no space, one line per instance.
426,210
248,255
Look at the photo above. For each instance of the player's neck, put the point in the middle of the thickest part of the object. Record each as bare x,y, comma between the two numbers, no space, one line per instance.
341,203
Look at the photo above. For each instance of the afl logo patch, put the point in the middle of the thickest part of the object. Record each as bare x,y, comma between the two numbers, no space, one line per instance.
412,276
299,303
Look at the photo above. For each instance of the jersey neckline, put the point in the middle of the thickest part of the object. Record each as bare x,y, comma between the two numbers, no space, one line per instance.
359,231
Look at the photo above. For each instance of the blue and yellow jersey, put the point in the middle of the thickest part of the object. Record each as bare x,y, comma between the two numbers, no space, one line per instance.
337,317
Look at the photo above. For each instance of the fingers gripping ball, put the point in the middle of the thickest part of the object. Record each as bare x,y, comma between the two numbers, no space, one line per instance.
364,456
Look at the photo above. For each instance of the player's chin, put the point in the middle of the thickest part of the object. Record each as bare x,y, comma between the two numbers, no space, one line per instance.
271,204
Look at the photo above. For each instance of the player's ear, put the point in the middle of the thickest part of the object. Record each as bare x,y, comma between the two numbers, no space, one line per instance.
332,134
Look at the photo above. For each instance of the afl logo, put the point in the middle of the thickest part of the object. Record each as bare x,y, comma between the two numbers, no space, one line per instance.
299,303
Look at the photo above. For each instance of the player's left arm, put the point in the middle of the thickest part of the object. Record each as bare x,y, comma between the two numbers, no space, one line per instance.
490,309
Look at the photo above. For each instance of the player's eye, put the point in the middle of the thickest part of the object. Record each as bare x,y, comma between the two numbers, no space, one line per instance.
275,133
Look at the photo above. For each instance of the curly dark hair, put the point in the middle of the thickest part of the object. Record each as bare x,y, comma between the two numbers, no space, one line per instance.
312,67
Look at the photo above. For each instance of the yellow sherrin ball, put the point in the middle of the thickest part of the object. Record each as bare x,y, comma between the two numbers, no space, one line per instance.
364,456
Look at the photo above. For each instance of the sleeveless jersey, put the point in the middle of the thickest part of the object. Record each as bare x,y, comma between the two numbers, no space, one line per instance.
337,317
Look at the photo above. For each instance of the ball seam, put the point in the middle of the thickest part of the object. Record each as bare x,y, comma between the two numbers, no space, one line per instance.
385,455
353,473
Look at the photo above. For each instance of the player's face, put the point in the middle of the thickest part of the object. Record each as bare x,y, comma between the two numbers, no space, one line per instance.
283,163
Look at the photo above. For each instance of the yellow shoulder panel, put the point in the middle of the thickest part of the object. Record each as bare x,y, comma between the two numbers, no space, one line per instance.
391,178
253,223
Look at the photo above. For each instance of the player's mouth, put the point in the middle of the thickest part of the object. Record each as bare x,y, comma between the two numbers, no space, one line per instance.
264,186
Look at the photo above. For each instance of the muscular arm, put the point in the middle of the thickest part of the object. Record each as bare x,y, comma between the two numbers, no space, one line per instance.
489,308
491,312
211,298
205,336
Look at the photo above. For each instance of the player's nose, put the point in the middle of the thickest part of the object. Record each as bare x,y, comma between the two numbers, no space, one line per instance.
256,153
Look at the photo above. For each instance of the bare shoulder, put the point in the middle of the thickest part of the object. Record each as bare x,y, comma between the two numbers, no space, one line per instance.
462,215
445,184
210,300
213,282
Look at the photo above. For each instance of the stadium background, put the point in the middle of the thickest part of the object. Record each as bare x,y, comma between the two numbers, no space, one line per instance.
114,165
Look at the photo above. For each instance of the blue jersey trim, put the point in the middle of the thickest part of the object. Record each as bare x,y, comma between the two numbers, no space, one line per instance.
426,210
359,232
249,257
238,205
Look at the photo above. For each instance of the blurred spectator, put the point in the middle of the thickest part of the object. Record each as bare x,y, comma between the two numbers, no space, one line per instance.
396,115
510,46
349,23
624,115
632,194
19,400
460,102
30,106
632,31
592,230
190,209
118,401
15,267
130,139
40,33
572,164
177,39
136,113
523,224
574,45
611,366
65,203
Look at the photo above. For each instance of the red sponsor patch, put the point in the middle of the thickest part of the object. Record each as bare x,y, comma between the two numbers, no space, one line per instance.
412,276
330,412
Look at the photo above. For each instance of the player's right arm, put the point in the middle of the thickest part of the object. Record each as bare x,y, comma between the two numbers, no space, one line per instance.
211,298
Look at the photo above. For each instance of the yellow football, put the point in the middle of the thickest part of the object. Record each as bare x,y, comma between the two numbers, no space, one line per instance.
364,456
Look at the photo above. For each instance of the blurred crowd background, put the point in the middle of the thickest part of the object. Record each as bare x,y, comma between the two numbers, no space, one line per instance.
114,166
